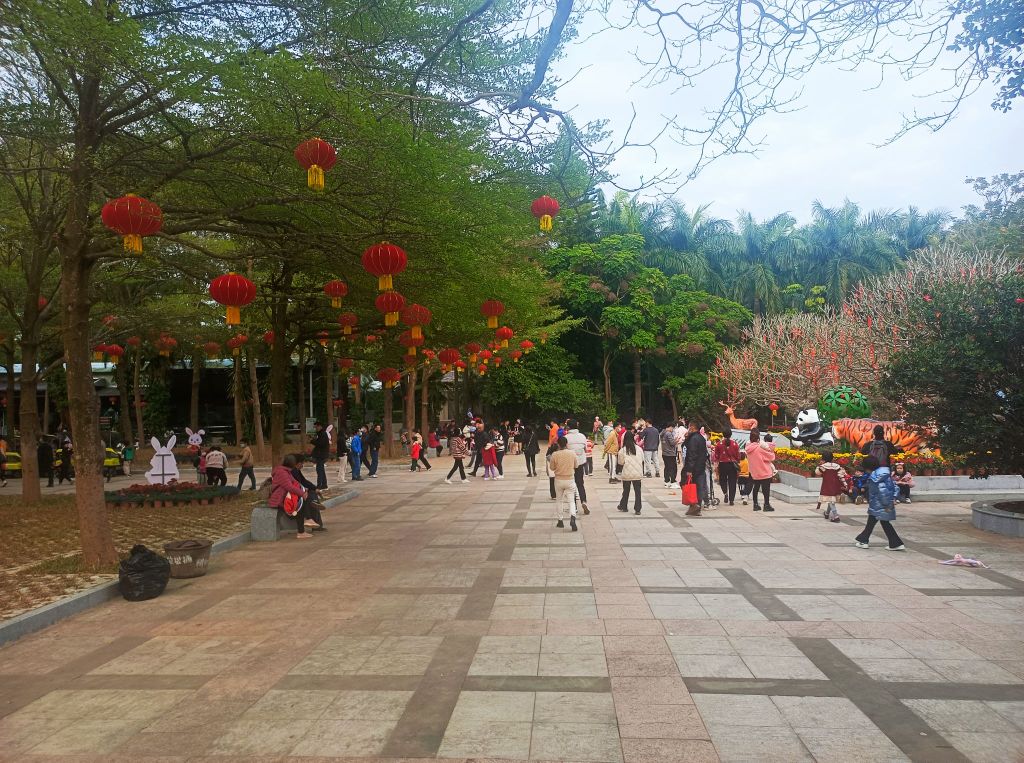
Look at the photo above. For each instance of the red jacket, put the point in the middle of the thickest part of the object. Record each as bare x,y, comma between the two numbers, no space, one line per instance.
726,452
282,483
490,456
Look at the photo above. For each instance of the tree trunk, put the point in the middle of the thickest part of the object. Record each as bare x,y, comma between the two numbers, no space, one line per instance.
12,396
193,406
386,434
425,403
45,423
257,407
278,387
409,414
137,394
675,407
29,408
83,406
637,388
328,390
606,370
236,383
125,416
301,375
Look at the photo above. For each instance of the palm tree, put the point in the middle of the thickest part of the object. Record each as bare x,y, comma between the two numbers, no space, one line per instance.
761,256
690,244
630,215
913,230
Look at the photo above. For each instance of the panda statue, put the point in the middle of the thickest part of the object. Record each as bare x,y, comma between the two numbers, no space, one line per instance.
811,430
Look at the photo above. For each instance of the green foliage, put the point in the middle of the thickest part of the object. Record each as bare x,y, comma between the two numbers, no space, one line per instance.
965,373
544,383
156,414
843,402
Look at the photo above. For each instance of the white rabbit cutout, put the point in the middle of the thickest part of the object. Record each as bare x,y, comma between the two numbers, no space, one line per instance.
163,468
195,439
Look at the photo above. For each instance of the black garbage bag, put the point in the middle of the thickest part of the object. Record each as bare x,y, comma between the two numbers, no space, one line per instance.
143,575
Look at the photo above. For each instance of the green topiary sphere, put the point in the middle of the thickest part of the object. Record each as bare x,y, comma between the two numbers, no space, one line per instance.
843,402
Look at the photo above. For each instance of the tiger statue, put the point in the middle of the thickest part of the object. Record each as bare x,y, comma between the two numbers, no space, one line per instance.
857,432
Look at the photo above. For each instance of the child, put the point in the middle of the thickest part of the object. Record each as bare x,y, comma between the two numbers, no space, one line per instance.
490,462
904,481
743,478
414,453
881,504
590,456
859,486
834,482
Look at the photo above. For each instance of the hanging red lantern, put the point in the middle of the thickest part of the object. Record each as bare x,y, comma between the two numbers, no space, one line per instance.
516,355
504,334
323,337
448,358
346,363
482,369
212,349
133,341
429,354
384,260
774,408
390,303
473,350
416,317
234,292
485,356
99,352
235,343
410,342
133,217
497,361
544,209
353,381
389,377
109,321
526,346
316,157
336,290
269,338
336,402
460,365
116,352
165,345
347,321
371,338
492,309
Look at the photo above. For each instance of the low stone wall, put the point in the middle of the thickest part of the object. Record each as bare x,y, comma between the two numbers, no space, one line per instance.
997,482
987,517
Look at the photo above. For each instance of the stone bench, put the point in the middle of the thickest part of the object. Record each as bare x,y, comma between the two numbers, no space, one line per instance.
268,524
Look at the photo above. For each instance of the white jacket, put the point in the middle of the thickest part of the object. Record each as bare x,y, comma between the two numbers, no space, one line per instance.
632,465
578,445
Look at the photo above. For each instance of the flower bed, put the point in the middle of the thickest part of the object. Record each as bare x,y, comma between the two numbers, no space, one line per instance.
171,494
804,462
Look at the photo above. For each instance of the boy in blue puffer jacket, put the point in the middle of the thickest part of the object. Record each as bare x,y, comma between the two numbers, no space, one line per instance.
881,504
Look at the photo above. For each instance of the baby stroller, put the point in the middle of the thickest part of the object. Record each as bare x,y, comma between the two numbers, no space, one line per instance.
712,498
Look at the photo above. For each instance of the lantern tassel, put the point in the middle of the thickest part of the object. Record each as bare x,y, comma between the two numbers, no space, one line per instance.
234,315
473,359
492,322
417,332
335,302
390,319
384,283
133,243
545,223
315,177
113,360
504,343
411,352
98,357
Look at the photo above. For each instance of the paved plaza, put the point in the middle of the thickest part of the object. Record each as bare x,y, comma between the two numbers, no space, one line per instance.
456,622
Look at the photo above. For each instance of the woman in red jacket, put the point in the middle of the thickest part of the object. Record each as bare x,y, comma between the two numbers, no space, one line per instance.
282,484
727,456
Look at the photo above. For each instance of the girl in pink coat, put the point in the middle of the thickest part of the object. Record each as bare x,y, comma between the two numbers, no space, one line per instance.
760,457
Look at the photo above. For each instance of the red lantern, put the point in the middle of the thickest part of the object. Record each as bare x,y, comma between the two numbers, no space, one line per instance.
448,358
526,346
384,260
316,157
336,290
460,365
346,363
212,349
235,292
133,341
429,354
165,345
482,369
774,408
323,337
516,355
269,338
236,342
133,217
109,321
336,402
473,349
491,309
347,321
410,342
353,381
504,334
544,209
485,356
416,317
390,303
371,338
99,352
389,377
497,361
116,352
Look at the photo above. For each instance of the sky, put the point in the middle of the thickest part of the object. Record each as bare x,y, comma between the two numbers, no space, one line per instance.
828,150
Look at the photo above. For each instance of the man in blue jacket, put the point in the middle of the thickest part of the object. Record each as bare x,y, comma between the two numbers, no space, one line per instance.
355,453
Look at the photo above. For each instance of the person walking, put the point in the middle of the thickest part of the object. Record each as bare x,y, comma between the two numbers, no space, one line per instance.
355,454
652,440
490,461
881,505
499,451
342,453
632,463
245,467
372,439
216,466
44,458
611,450
129,457
760,457
459,451
67,454
480,439
577,442
695,466
321,452
530,449
417,438
282,485
669,455
834,483
563,466
727,456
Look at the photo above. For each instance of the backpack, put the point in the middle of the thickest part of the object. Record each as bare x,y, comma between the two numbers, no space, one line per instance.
292,504
880,450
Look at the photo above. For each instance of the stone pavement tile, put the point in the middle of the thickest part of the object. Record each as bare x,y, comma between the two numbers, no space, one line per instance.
584,707
290,703
633,627
487,739
855,648
737,710
576,742
712,666
616,645
262,737
698,627
18,735
47,652
774,744
960,715
831,745
88,737
721,606
504,665
572,645
760,627
491,706
103,704
822,712
668,751
651,690
662,722
770,666
987,746
814,630
344,738
995,649
530,626
581,627
624,612
509,645
699,645
898,669
572,664
770,646
973,671
366,705
163,744
387,663
642,665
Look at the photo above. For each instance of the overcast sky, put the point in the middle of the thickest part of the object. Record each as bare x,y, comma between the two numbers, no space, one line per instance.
827,150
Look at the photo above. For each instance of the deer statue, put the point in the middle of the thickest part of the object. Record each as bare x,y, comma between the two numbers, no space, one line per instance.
744,425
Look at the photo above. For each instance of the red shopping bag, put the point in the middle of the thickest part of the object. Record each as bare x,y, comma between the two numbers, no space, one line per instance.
690,491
